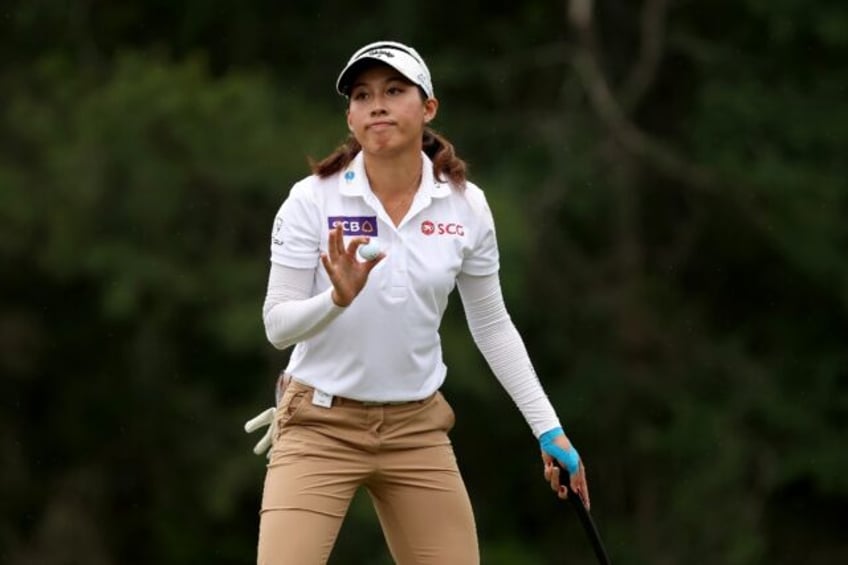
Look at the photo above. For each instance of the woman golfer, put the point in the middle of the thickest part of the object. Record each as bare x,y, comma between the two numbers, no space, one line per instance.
364,255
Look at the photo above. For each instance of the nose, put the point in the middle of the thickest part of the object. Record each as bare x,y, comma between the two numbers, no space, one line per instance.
377,109
378,106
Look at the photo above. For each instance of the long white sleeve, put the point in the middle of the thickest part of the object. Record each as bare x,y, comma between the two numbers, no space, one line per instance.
501,345
289,313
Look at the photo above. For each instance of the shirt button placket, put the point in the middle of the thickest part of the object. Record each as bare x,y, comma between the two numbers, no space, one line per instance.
399,274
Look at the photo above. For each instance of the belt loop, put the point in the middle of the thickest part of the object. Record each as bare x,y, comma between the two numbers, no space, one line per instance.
283,381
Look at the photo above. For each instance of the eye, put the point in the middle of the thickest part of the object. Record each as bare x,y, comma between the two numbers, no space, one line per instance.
395,90
359,95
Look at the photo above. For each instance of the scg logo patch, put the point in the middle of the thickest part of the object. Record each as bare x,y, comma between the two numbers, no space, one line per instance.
439,228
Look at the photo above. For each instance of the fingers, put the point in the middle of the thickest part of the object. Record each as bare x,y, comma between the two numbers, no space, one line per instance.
370,264
580,486
556,483
328,263
553,476
337,240
354,244
336,245
546,459
333,243
577,481
346,272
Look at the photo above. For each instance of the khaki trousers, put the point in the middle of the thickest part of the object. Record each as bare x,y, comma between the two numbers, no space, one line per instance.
400,453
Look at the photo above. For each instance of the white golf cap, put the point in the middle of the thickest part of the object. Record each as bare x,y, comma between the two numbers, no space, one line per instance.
402,58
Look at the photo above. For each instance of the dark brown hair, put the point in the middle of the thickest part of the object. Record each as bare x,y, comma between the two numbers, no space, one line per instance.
447,167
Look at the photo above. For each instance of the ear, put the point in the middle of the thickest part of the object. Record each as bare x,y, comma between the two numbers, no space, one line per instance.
349,125
431,108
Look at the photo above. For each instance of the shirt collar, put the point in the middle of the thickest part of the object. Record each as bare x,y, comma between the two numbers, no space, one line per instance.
354,182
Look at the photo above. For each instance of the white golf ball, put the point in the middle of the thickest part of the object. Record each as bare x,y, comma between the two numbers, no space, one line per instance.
369,251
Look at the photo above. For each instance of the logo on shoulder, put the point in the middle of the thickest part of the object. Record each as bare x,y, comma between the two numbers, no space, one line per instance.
348,176
354,225
276,235
429,227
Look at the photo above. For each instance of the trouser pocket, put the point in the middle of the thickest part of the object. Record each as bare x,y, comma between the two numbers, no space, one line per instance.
291,402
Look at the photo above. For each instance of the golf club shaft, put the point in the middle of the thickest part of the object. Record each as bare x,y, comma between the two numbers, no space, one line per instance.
586,519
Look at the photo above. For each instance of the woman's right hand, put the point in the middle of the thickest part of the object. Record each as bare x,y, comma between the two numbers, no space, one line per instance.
346,272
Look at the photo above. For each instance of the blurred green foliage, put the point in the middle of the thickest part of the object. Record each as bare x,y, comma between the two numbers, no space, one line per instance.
691,335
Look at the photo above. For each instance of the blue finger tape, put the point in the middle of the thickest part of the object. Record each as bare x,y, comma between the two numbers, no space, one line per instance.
568,457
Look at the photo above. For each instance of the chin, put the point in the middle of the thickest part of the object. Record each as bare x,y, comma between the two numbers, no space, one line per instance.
387,149
381,149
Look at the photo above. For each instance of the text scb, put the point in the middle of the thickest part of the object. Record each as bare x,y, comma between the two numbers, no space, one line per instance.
354,225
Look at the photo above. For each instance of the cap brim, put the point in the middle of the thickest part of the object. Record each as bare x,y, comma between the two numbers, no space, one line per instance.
346,78
349,74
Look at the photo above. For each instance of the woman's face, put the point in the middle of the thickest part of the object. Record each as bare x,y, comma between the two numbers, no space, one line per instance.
386,113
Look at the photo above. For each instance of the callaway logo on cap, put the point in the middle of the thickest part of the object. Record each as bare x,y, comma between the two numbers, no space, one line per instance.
402,58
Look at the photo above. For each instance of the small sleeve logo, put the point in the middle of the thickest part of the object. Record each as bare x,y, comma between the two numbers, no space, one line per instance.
276,234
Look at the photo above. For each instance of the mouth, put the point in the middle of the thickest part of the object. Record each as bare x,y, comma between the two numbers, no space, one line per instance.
383,124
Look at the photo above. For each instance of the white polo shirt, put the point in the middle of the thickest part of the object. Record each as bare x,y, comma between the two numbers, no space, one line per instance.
385,346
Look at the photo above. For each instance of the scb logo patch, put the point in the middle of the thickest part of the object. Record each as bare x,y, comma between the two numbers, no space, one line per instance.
354,225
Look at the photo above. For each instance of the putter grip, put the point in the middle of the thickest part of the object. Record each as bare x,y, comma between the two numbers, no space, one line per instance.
587,522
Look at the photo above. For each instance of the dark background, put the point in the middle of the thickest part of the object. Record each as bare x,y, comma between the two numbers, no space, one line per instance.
669,183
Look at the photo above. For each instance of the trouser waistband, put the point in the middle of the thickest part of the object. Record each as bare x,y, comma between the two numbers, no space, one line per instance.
285,380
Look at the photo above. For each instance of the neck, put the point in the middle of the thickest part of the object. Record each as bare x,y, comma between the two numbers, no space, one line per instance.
394,176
